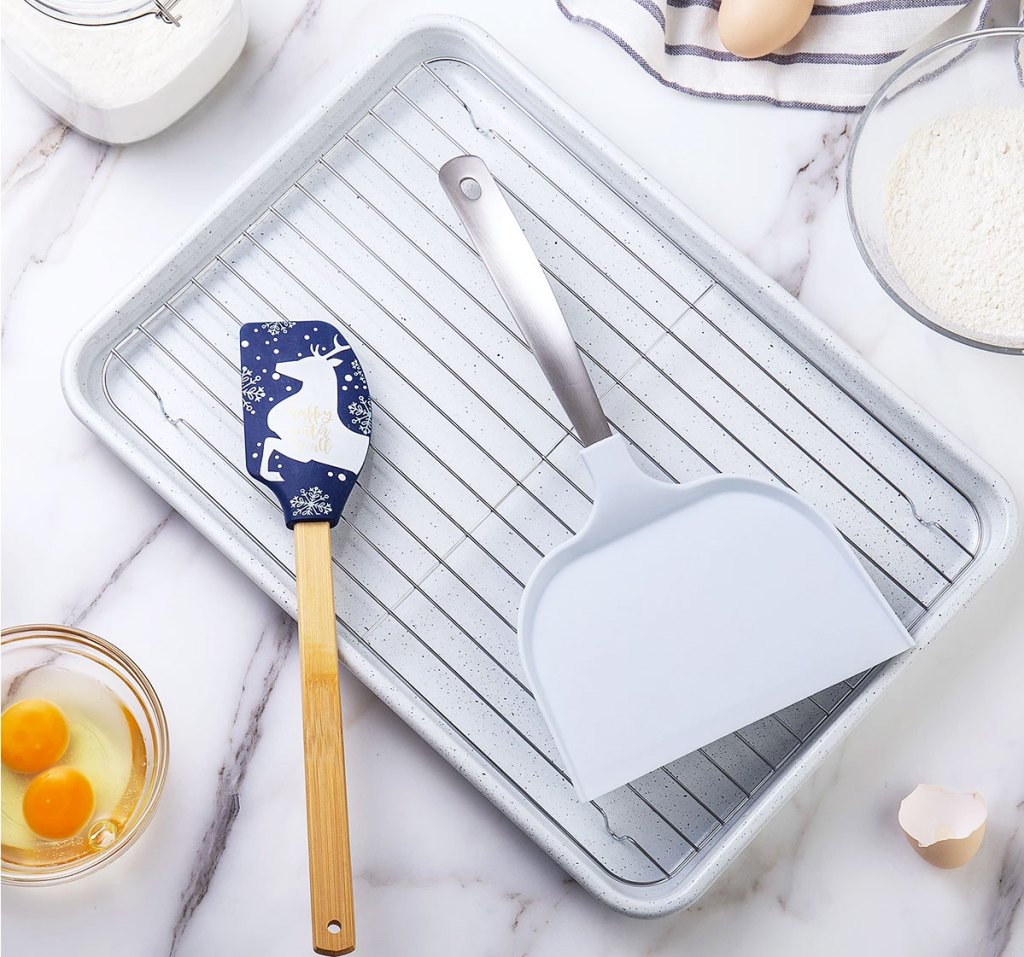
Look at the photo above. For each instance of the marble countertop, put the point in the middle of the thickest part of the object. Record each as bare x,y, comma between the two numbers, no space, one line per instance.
438,871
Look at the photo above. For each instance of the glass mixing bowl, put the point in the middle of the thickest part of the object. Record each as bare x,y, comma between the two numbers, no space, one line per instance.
29,647
983,69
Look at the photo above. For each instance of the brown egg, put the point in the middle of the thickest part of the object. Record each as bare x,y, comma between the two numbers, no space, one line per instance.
752,28
945,827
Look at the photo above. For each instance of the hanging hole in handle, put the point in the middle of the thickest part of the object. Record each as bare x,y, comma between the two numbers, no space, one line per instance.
470,188
334,926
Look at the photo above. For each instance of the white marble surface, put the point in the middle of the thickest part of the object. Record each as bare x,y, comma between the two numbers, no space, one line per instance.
438,870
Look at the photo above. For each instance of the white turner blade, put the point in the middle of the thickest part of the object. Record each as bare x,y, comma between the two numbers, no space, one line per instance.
680,614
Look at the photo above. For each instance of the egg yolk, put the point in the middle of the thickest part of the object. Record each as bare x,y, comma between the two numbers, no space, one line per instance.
58,803
33,735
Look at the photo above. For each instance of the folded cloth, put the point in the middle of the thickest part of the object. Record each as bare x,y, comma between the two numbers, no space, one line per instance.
837,61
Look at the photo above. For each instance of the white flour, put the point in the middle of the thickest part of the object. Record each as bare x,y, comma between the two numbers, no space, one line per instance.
955,221
107,66
125,81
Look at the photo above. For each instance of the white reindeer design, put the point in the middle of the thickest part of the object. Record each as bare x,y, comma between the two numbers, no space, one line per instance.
307,425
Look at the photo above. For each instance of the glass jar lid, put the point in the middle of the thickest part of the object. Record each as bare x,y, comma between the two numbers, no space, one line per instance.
90,13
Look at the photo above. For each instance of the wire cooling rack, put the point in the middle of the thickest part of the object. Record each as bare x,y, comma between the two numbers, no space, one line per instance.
474,473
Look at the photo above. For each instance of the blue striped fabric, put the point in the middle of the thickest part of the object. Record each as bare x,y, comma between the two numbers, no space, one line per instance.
836,63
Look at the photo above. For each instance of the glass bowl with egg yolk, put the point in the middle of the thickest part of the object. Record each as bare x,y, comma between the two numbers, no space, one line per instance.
83,756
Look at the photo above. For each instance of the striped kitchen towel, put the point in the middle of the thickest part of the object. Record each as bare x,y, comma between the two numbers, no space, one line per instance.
838,60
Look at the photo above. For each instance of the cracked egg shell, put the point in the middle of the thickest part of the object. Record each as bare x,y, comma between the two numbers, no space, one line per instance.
945,827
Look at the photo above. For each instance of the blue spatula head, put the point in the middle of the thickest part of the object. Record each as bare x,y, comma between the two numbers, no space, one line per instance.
307,413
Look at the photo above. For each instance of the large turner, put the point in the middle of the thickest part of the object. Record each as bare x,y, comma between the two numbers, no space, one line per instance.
678,613
307,417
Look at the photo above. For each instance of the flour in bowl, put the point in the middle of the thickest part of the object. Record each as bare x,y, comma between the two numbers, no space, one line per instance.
955,221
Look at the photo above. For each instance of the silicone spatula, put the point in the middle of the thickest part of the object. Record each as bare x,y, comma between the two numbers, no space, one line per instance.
677,614
307,417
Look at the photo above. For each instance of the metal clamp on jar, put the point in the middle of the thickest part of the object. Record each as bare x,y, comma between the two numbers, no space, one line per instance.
121,70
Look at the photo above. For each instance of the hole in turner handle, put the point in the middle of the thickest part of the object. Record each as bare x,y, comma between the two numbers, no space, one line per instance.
513,266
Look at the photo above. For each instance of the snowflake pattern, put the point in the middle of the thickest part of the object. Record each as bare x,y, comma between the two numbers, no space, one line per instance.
252,392
311,501
357,372
361,413
277,326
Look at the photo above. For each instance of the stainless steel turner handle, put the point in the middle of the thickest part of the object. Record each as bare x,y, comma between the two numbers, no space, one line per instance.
513,266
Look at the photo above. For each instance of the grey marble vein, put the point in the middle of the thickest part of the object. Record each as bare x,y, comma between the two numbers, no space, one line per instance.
302,22
104,158
34,159
1006,904
259,681
77,617
808,802
784,252
525,933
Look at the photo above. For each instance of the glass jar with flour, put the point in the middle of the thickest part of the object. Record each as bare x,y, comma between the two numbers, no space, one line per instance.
121,70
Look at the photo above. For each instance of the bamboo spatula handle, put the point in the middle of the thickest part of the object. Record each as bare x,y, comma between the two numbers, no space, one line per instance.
330,863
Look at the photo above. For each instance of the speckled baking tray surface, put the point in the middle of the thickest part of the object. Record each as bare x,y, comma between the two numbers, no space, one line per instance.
474,474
